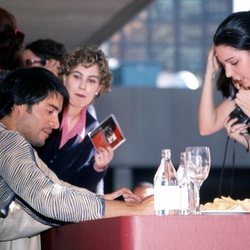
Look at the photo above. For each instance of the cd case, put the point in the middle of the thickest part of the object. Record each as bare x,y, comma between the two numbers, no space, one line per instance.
108,133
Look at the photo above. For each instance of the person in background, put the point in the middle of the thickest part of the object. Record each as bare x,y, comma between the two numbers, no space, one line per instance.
69,151
143,189
30,101
11,48
45,53
49,54
232,50
11,43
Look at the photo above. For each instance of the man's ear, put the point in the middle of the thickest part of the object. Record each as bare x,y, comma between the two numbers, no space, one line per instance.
52,62
52,65
19,108
64,79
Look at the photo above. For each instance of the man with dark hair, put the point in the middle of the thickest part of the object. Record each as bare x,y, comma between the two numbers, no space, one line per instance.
45,53
30,101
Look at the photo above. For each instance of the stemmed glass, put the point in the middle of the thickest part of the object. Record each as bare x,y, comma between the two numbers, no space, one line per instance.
198,162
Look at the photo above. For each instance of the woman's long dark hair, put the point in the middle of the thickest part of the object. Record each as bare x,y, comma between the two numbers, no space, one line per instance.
225,85
234,31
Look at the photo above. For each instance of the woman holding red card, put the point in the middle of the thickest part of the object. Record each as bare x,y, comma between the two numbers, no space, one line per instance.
69,151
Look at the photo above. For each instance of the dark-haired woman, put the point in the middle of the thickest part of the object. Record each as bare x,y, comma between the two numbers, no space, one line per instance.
69,151
232,48
231,56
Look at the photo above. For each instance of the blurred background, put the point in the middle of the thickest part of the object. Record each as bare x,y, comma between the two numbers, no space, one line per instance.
157,51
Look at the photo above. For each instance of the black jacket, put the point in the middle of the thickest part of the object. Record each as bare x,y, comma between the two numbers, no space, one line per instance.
73,163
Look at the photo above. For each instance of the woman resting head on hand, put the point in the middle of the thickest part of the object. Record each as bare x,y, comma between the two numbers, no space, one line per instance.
232,49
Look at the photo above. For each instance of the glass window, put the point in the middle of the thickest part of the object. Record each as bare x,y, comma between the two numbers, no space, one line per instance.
191,59
173,34
135,31
135,53
165,56
218,7
162,33
162,10
190,33
114,50
190,10
116,37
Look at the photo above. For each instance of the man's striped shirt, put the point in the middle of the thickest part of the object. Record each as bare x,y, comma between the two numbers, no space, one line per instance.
24,174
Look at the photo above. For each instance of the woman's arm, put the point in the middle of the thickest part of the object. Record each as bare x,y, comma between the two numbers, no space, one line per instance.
211,117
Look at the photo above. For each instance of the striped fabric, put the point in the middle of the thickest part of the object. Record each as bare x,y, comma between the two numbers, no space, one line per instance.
21,174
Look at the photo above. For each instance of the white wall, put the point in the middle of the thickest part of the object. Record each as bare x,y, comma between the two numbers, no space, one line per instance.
153,119
241,5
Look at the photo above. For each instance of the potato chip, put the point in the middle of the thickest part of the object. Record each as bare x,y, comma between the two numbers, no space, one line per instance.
227,203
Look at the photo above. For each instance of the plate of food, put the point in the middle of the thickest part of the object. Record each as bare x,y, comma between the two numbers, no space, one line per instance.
224,212
226,205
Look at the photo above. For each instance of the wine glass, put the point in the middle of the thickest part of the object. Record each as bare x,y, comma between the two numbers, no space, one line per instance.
198,162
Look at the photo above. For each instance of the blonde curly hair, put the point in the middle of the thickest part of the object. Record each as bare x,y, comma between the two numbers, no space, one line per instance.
87,57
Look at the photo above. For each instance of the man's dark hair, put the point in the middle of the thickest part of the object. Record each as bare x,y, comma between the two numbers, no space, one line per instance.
29,86
47,49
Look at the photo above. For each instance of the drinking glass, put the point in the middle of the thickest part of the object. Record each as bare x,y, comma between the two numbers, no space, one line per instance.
198,162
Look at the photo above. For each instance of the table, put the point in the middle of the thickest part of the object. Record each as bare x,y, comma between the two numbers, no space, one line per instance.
192,232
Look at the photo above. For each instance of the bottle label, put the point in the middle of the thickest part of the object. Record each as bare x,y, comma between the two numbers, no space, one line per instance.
167,198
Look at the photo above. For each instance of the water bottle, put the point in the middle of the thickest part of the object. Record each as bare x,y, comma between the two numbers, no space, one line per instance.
166,188
185,185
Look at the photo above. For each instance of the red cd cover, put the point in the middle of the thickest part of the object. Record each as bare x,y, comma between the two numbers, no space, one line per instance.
108,133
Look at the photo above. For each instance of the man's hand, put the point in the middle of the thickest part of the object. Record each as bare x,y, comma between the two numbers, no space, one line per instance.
127,194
